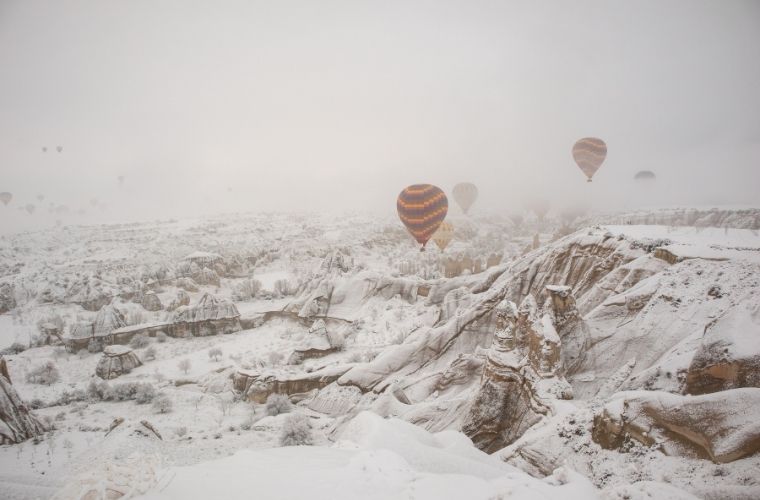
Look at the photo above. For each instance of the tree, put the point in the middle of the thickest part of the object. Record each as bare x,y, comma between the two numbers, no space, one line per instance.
162,404
215,353
184,365
296,431
276,404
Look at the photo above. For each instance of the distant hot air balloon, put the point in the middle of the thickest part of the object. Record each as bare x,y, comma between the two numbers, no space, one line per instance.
645,175
94,202
30,208
442,237
422,208
6,197
44,149
465,194
121,179
589,153
59,149
40,197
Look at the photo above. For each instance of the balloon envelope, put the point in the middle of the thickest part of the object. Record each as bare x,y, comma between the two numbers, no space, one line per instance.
59,148
6,197
645,175
30,208
443,236
589,153
422,208
465,194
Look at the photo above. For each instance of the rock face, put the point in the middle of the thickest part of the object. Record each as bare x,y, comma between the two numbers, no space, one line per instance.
721,426
729,355
520,378
109,318
117,360
17,423
257,387
209,316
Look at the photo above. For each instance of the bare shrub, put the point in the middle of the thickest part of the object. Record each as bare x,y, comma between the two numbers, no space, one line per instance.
215,353
296,431
184,365
46,373
276,404
162,404
139,341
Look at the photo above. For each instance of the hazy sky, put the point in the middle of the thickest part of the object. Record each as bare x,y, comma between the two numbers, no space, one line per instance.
326,105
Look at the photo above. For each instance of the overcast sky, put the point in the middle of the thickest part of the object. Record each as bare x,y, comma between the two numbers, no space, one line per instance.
326,105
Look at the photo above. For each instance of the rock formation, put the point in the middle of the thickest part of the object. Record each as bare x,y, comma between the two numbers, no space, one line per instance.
117,360
520,378
318,343
209,316
17,423
729,355
720,426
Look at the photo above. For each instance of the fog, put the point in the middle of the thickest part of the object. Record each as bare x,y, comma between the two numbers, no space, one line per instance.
212,107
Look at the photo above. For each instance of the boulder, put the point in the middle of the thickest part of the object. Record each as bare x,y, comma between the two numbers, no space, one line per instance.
117,360
721,427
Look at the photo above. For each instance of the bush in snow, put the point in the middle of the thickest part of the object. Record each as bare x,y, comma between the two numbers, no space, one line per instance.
247,290
283,288
161,337
15,348
276,404
145,394
215,353
162,404
184,365
46,373
180,431
296,431
150,353
139,341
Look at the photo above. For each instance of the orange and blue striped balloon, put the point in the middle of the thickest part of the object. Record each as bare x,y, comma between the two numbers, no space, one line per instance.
422,208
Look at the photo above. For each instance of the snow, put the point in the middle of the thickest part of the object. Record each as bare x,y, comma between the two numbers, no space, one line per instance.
646,293
375,459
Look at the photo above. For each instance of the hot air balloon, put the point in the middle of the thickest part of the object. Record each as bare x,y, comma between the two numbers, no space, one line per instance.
30,208
59,148
6,197
44,149
422,208
442,237
589,153
465,194
645,175
40,197
121,179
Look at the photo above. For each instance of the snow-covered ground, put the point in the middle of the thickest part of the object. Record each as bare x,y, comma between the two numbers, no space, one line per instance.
388,402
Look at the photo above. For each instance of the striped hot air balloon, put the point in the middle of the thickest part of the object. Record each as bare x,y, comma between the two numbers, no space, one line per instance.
443,236
6,197
589,153
465,194
422,208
